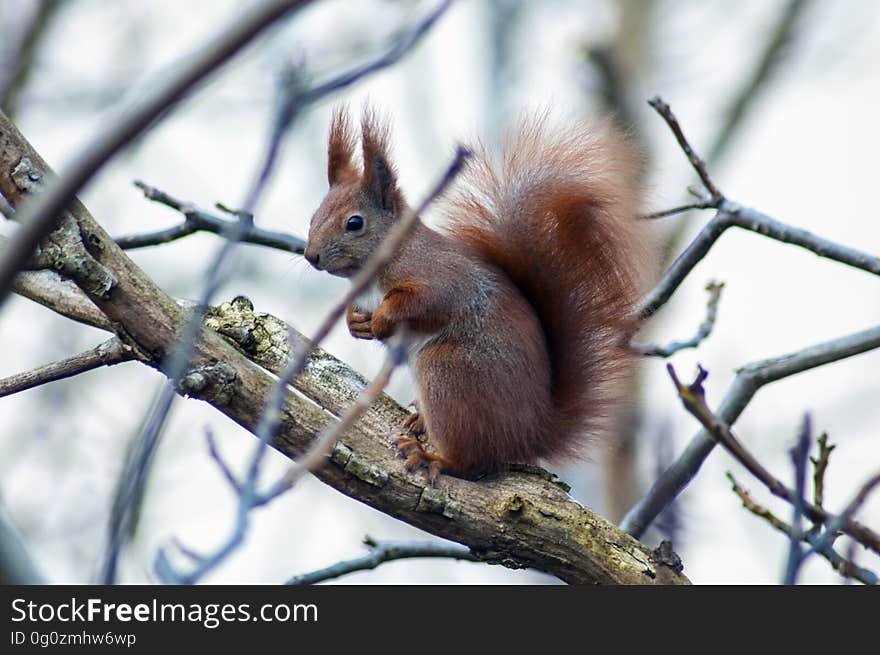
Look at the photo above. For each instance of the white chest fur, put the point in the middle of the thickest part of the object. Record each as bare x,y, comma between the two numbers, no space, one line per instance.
370,298
369,301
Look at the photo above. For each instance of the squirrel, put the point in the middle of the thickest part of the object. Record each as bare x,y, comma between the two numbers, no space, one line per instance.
518,309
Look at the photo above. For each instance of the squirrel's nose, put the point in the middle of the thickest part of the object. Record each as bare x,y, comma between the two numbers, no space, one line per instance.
313,258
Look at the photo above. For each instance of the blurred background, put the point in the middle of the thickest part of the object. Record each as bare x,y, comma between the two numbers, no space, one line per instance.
779,96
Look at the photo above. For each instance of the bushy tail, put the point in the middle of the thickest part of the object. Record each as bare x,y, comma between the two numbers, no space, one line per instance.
559,217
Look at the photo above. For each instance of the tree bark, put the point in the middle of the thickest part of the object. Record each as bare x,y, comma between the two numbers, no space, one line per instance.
519,519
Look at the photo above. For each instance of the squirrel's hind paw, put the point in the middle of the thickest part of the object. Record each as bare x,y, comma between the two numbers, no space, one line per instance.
417,457
414,424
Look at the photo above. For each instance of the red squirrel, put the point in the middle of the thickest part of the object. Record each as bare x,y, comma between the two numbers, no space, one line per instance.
517,309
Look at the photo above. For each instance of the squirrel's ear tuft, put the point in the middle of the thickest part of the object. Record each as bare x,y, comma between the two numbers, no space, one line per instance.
340,149
380,178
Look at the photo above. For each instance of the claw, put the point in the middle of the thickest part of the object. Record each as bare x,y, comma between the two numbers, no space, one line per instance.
405,445
414,424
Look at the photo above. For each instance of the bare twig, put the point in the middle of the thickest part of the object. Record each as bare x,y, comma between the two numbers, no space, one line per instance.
731,214
249,497
108,353
548,530
753,376
799,454
820,465
385,551
701,204
404,45
705,329
320,448
15,71
39,216
843,565
270,417
696,161
749,379
197,220
694,400
293,98
221,463
841,521
767,64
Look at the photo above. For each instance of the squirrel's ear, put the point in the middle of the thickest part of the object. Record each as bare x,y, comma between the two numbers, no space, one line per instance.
380,178
340,149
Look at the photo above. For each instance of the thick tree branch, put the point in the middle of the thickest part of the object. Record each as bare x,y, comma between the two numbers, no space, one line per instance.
61,296
519,519
294,96
108,353
39,217
250,497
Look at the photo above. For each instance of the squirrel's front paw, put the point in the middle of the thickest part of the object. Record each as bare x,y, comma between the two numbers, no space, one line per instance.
360,324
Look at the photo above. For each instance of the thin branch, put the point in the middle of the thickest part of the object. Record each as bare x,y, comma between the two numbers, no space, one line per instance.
842,520
843,565
293,98
820,465
385,551
799,454
108,353
197,220
249,496
696,161
134,475
403,46
559,535
749,379
694,400
15,71
39,217
221,463
271,415
320,448
703,331
767,64
732,214
700,204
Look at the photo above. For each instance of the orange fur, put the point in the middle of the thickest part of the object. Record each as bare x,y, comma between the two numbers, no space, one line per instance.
519,305
340,149
560,219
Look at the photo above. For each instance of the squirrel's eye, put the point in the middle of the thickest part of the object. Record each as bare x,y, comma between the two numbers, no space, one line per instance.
354,223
